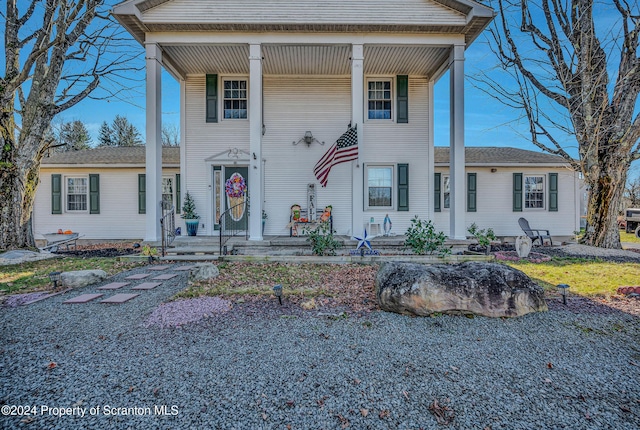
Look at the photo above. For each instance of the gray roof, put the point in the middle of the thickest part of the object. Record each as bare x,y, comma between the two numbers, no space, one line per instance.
493,155
130,155
112,155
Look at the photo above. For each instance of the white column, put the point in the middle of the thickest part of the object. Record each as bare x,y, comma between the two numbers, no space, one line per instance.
456,161
430,163
357,119
255,141
153,147
183,152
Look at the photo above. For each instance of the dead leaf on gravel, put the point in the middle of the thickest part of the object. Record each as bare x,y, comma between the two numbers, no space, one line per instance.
52,365
624,408
264,416
364,412
550,365
344,422
384,413
441,411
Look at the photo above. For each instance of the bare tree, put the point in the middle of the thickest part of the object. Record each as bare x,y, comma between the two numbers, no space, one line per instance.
632,194
573,79
170,135
58,52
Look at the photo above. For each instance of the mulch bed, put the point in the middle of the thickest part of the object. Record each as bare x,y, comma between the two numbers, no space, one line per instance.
101,250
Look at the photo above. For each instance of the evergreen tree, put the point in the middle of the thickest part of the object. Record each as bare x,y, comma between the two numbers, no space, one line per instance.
105,135
125,133
73,136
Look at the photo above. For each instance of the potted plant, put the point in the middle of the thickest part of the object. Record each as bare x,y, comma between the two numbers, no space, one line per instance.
190,215
264,219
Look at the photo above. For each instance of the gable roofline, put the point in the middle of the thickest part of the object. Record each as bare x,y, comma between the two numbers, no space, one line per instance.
129,14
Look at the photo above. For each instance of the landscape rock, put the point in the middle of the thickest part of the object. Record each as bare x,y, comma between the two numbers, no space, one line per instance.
82,278
203,271
487,289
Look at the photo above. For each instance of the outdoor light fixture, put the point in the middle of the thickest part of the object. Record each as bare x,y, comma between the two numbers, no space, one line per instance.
55,277
308,139
563,289
277,290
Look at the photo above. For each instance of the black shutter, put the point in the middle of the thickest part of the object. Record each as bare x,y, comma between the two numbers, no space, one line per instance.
178,193
553,192
56,194
471,192
437,198
403,187
402,98
517,192
142,193
94,194
212,98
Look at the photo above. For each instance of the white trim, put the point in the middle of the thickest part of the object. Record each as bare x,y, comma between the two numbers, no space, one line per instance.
231,77
544,191
170,38
365,191
66,192
392,113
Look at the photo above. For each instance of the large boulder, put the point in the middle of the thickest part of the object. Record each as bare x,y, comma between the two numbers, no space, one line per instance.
203,271
82,278
488,289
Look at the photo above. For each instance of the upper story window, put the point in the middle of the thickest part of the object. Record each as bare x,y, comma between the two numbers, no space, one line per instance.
379,187
235,98
379,99
76,193
534,192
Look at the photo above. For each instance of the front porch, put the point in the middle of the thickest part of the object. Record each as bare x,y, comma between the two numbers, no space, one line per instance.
206,247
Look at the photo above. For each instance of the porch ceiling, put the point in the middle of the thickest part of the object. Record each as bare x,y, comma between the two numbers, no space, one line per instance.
307,59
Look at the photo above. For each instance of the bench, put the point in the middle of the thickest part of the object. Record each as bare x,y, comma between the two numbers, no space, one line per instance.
299,222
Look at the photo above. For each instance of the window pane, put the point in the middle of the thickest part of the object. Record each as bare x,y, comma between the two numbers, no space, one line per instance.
379,196
235,99
77,194
534,192
379,99
446,191
167,190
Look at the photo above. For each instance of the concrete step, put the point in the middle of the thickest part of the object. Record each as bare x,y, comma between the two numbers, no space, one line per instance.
192,250
205,257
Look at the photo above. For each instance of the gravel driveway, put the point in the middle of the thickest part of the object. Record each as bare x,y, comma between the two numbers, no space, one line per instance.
263,366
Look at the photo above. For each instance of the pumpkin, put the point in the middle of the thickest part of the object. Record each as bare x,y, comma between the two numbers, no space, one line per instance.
68,232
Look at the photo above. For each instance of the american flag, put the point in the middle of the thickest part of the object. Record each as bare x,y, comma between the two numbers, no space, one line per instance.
345,149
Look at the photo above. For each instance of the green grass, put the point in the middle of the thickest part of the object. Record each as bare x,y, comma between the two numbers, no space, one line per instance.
34,276
628,237
584,277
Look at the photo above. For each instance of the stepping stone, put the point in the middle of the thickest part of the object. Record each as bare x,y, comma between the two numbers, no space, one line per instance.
138,276
158,268
84,298
147,286
119,298
113,286
165,276
183,268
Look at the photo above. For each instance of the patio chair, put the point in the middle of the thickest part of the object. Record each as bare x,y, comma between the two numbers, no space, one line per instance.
533,233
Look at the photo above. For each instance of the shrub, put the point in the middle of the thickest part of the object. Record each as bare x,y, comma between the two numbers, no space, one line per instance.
322,240
484,237
423,239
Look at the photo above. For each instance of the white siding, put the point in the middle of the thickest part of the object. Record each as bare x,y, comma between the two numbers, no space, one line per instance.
495,203
407,12
389,142
118,217
293,105
203,140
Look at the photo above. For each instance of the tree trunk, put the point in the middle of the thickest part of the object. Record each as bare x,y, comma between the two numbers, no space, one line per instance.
18,182
605,198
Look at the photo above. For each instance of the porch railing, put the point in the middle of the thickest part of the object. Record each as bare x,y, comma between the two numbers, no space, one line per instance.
230,228
167,225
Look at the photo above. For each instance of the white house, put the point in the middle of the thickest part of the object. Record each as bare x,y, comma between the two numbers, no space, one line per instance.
257,75
268,87
100,193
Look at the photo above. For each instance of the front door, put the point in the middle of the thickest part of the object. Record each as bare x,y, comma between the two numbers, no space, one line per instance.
236,192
